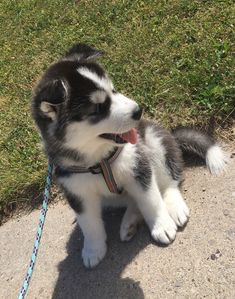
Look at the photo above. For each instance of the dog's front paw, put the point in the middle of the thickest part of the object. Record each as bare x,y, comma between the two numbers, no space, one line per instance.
177,209
93,255
164,229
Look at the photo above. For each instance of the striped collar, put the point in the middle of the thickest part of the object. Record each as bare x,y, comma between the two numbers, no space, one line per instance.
104,167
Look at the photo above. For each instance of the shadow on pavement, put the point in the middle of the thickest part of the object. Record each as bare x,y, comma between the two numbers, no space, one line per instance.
104,281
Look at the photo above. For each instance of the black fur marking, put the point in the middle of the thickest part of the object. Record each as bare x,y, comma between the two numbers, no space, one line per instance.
94,68
173,156
74,201
60,172
71,102
53,92
174,161
56,151
102,111
142,171
83,52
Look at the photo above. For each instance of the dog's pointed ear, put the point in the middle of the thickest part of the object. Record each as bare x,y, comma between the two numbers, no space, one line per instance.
83,52
50,96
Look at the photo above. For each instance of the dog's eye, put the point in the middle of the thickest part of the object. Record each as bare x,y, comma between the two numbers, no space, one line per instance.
114,91
97,108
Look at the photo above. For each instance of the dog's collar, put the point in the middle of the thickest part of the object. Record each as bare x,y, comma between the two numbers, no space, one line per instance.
103,167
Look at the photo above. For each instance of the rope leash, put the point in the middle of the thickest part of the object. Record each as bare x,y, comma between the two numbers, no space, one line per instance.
104,168
42,218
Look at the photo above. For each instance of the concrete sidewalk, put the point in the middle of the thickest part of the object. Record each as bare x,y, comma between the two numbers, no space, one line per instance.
199,264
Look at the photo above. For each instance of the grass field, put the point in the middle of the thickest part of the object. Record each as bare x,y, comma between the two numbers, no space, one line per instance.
174,57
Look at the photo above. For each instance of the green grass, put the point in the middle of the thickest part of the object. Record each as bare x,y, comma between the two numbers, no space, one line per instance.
174,57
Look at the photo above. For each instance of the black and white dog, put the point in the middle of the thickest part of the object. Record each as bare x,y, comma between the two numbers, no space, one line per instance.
84,121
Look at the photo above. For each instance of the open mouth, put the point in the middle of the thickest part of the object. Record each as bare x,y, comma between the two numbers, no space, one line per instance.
130,136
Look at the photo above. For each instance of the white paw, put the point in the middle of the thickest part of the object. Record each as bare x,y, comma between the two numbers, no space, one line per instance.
93,255
164,229
178,210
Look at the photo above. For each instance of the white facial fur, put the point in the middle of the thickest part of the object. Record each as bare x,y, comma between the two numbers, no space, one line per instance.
104,82
85,135
98,97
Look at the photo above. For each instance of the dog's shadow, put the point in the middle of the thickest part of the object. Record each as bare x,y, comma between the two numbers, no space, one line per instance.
104,281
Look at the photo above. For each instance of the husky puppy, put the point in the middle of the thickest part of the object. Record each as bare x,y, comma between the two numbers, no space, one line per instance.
101,148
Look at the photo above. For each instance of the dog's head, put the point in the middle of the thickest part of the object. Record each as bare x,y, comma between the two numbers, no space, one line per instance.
76,102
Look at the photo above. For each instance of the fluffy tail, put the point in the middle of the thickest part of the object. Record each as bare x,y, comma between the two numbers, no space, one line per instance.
201,144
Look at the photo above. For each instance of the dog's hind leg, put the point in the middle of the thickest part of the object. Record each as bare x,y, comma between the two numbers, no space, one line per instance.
130,221
175,204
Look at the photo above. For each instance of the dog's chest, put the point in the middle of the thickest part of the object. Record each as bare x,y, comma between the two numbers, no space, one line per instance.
95,185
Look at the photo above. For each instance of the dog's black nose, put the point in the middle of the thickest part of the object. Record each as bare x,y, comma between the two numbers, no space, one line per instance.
137,113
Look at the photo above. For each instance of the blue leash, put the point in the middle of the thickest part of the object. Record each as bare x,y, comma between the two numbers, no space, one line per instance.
39,232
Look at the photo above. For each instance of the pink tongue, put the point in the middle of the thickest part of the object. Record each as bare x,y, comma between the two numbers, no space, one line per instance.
130,136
